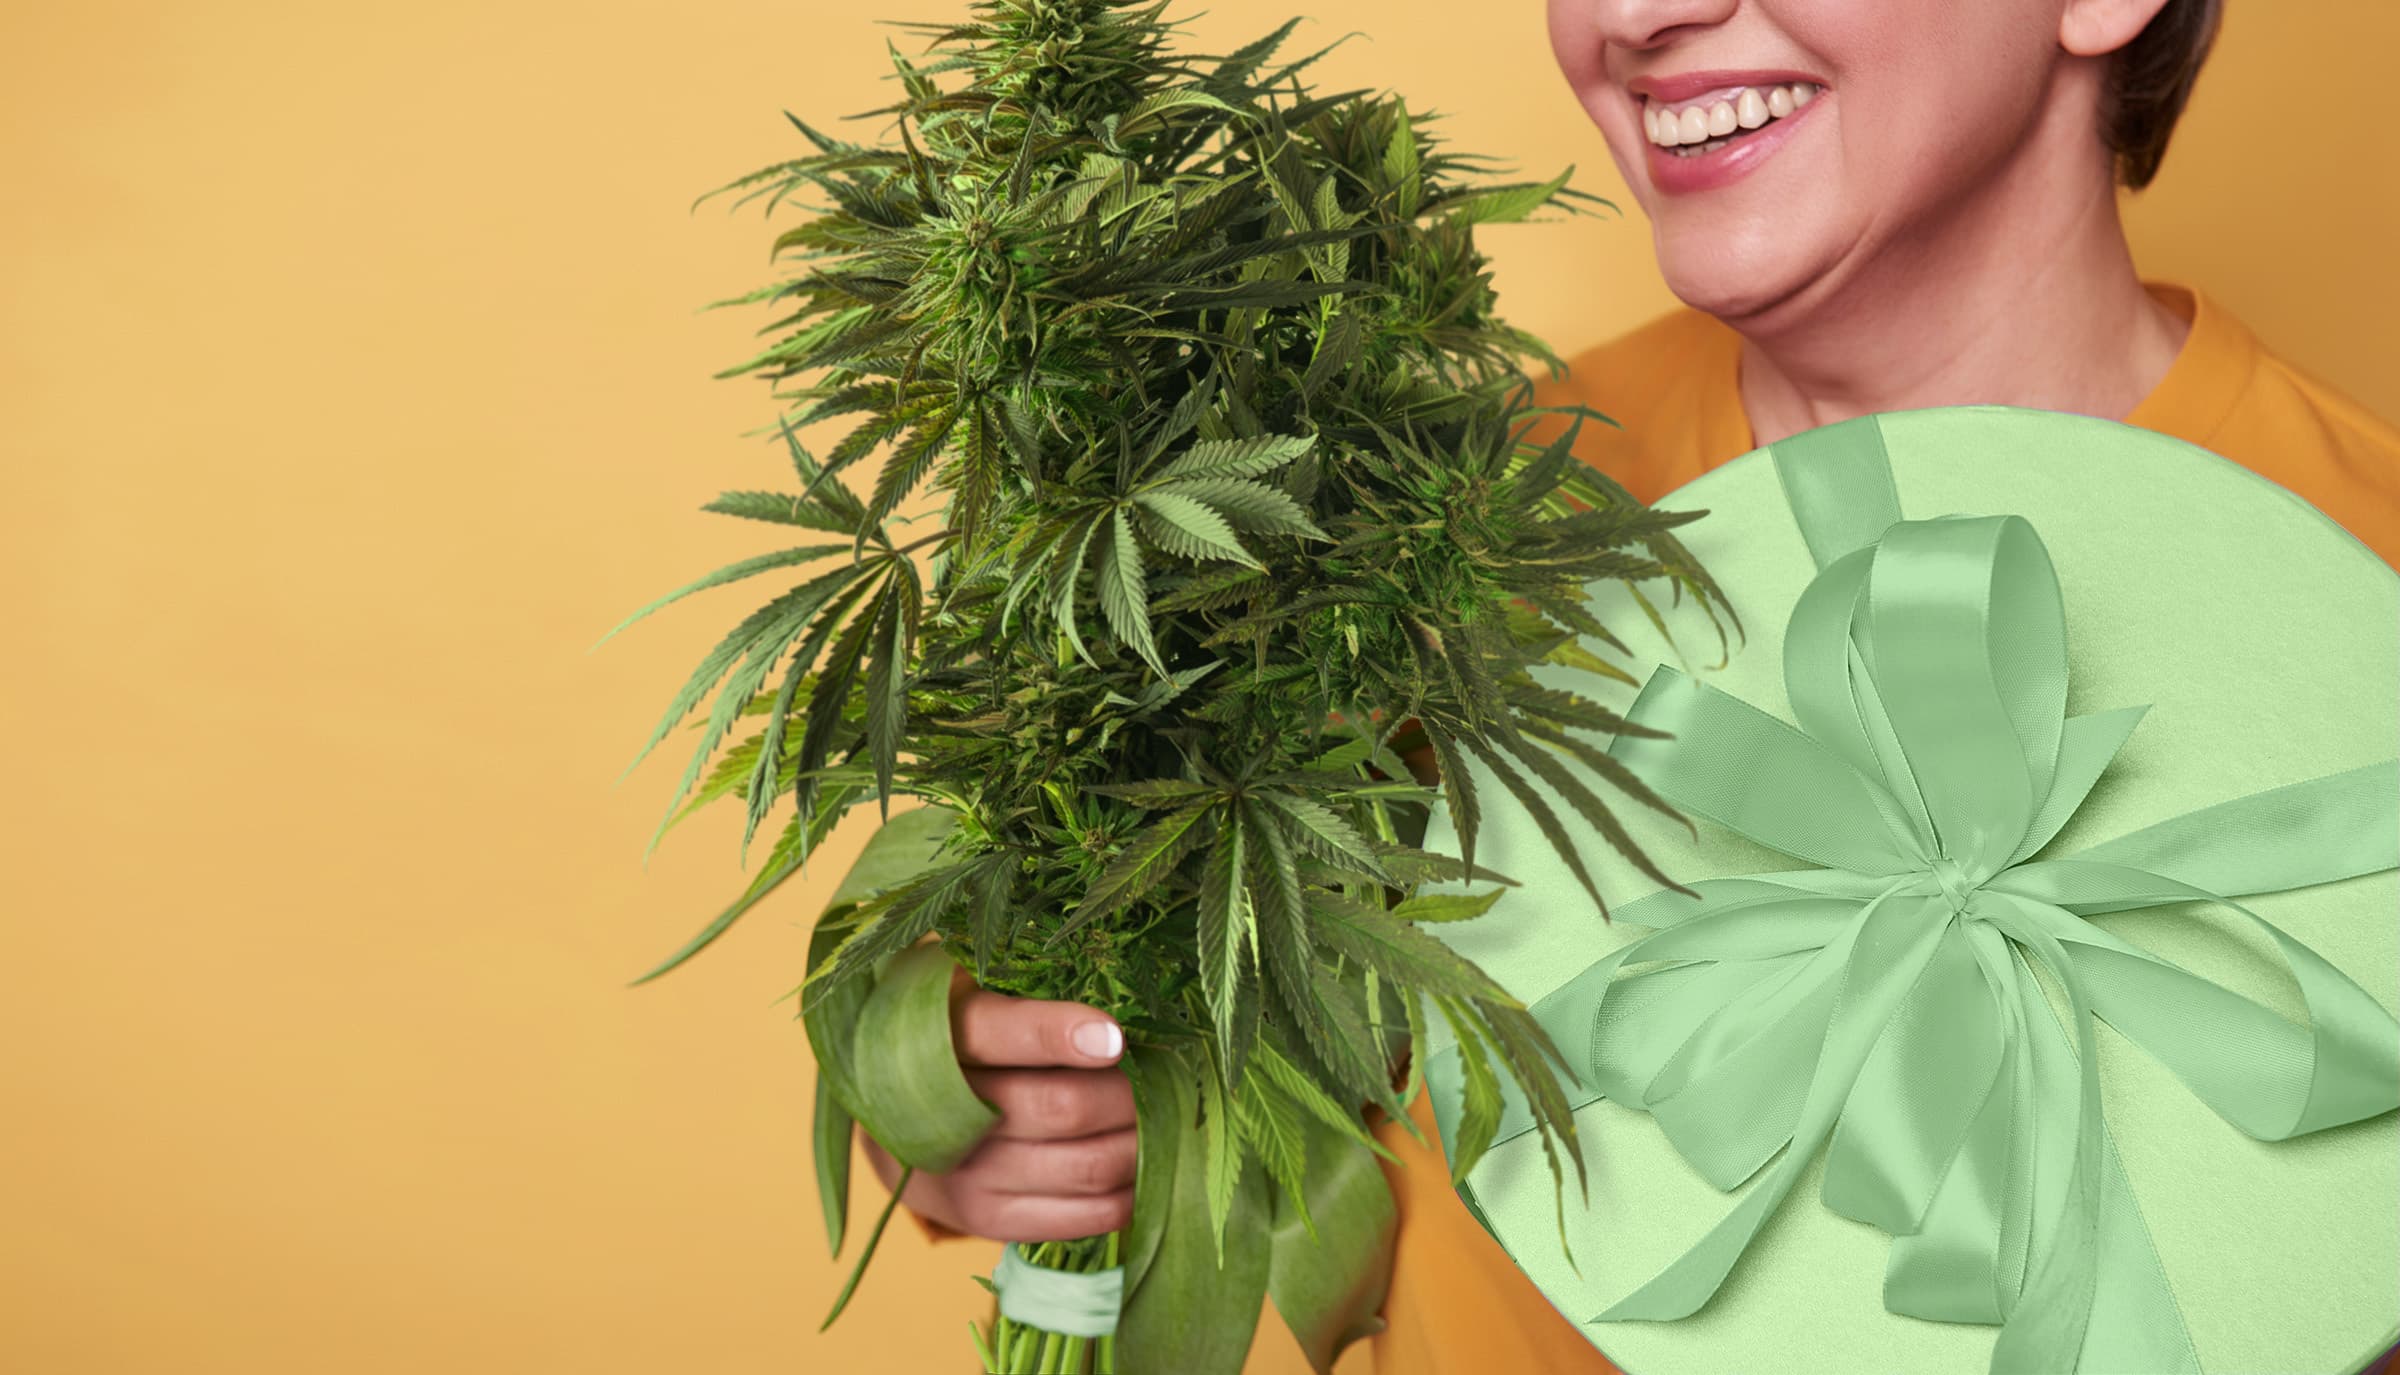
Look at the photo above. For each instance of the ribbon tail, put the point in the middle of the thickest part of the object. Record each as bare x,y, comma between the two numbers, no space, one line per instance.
1956,1265
2316,831
2136,1322
2098,1300
2266,1075
2047,1321
1919,1096
1694,1277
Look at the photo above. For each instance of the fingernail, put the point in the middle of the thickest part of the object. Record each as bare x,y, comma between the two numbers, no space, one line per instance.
1100,1040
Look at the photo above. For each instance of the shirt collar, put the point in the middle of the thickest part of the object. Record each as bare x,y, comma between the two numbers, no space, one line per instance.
2210,372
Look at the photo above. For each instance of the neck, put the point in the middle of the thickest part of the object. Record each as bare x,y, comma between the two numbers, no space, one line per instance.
2023,294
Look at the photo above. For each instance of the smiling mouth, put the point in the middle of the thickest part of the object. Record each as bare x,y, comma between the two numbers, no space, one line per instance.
1721,118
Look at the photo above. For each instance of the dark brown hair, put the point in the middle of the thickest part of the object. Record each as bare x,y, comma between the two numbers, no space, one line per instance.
2150,81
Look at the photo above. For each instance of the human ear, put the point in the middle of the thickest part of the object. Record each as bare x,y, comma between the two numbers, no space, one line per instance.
2095,28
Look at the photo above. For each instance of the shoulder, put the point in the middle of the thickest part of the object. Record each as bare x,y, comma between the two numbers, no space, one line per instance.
2309,436
1662,390
2353,437
2350,466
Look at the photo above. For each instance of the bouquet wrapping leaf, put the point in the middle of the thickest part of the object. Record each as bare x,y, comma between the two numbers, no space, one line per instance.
1194,379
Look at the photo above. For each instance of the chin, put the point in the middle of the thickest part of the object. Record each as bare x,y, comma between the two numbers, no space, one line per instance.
1730,279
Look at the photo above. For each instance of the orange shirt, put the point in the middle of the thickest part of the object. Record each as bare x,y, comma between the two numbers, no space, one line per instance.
1457,1303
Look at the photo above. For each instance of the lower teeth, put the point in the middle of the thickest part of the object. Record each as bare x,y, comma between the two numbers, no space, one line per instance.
1693,150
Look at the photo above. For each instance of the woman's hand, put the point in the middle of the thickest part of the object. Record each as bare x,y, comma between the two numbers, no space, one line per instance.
1059,1164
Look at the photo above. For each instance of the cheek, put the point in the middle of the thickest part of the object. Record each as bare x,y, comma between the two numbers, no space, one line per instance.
1576,47
1932,92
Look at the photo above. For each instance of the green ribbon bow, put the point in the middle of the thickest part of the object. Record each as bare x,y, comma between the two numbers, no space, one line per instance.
1886,1000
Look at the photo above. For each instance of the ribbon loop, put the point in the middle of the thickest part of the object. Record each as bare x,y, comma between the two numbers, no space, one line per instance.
1971,660
1725,760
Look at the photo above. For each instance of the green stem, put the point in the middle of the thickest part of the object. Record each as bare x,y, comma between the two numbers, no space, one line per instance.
1105,1350
1020,1352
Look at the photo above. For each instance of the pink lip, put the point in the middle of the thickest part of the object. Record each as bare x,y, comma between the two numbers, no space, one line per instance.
1685,85
1674,174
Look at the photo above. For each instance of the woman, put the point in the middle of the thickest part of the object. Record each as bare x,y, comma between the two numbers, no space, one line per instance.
1867,205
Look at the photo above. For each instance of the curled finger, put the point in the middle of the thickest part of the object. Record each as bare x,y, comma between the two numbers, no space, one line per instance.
1099,1164
1055,1104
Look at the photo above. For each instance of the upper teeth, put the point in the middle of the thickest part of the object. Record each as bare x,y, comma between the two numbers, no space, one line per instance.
1718,115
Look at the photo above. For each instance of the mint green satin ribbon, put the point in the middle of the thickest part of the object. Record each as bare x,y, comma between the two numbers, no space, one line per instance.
1885,1001
1070,1303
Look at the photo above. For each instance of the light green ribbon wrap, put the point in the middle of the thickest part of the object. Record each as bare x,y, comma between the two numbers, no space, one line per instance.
1885,1001
1072,1304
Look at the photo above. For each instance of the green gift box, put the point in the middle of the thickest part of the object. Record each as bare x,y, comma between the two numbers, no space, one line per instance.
2029,1005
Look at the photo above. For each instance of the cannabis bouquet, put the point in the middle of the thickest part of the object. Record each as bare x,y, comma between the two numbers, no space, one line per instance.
1231,501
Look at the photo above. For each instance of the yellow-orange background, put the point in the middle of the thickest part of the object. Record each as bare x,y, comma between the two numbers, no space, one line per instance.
352,383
